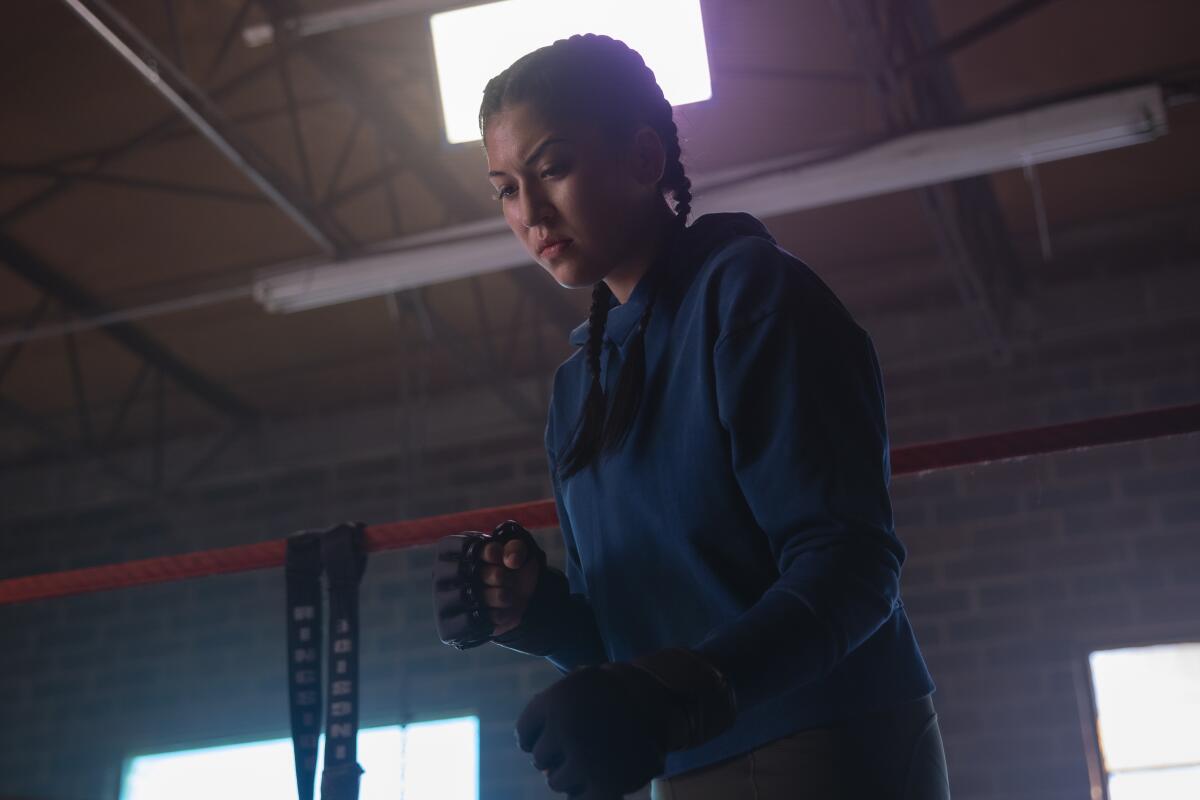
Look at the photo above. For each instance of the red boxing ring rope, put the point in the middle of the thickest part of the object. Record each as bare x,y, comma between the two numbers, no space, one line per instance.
910,460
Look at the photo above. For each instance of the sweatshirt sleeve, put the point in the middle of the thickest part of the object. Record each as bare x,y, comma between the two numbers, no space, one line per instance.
560,624
800,393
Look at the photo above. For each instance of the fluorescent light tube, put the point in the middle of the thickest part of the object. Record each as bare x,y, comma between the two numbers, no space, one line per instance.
1050,133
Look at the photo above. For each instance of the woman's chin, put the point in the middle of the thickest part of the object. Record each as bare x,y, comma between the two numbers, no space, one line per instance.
569,277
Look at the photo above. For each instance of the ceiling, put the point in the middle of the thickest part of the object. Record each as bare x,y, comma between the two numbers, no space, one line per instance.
109,192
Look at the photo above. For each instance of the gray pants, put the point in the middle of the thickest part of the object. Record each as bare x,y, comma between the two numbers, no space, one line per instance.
891,755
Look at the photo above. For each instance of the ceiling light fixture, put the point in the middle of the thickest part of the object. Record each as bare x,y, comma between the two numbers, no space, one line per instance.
472,44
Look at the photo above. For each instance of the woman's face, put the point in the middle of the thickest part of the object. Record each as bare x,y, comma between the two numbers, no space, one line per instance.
562,183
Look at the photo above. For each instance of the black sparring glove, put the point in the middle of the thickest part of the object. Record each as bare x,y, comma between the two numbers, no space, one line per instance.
458,599
604,731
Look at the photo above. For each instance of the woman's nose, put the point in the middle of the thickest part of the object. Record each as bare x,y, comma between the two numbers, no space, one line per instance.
534,209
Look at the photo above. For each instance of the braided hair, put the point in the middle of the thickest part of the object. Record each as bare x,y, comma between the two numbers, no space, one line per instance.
604,82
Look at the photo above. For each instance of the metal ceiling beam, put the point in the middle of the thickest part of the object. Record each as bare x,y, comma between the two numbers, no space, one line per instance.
231,35
129,314
161,131
202,113
977,32
343,158
29,266
130,182
14,350
170,127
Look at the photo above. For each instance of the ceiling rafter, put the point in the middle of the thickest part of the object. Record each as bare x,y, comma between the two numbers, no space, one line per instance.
131,182
142,54
410,151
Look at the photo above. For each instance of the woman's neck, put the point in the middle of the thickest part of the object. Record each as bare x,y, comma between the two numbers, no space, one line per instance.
624,279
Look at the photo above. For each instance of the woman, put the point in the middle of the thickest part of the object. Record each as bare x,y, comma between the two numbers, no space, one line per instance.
729,624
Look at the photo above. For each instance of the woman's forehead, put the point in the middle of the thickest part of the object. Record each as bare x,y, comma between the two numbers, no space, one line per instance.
515,133
515,130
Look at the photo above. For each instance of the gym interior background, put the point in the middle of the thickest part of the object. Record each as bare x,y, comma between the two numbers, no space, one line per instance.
152,403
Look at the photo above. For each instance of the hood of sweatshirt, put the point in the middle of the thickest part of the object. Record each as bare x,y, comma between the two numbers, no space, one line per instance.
699,240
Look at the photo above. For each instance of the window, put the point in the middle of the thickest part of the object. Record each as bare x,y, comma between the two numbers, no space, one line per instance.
1148,720
422,761
470,45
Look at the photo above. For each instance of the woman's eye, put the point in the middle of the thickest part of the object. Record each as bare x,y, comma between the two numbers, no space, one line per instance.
549,171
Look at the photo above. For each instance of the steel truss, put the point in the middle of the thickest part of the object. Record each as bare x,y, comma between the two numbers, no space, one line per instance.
899,53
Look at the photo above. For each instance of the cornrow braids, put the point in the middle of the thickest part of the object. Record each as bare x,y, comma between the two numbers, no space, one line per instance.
589,429
602,81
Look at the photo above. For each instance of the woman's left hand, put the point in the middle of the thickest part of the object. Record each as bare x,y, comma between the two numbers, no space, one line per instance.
604,731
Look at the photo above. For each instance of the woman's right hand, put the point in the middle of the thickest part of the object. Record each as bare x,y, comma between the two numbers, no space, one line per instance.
509,576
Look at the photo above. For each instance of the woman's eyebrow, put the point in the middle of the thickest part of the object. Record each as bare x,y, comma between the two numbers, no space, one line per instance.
537,151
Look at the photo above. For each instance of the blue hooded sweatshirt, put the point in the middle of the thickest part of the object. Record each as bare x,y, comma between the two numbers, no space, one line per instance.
746,516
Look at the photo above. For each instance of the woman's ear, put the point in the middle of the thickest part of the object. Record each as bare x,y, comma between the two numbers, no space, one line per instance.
649,156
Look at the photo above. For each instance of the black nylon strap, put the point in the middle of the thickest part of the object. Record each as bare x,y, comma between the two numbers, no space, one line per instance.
303,573
345,557
341,552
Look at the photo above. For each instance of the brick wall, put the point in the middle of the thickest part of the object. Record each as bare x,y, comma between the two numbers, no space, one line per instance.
1016,570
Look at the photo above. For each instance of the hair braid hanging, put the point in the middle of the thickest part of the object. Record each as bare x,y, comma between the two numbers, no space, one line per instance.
591,420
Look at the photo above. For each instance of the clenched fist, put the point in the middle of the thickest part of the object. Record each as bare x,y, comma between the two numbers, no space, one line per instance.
482,583
509,575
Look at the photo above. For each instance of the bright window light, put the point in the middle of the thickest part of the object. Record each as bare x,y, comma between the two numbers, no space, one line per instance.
472,44
423,761
1148,718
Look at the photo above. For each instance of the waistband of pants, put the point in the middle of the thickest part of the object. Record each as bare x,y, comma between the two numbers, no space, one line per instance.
920,709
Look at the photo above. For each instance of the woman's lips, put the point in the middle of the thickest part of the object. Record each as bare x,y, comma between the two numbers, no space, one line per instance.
555,250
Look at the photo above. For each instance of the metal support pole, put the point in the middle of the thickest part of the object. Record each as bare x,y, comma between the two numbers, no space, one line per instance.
81,401
15,348
158,454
